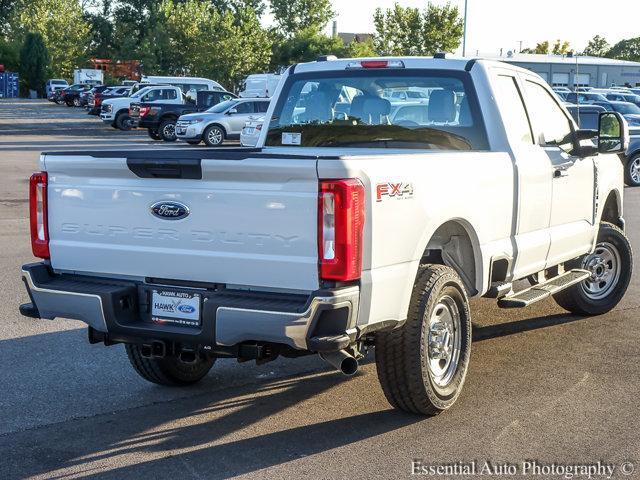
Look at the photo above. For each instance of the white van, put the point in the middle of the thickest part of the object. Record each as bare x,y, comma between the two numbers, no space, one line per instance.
187,84
261,85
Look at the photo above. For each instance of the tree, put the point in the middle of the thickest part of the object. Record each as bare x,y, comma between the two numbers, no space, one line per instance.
305,46
195,38
409,31
597,47
560,48
10,55
34,62
237,5
356,49
628,49
63,28
294,16
6,8
542,48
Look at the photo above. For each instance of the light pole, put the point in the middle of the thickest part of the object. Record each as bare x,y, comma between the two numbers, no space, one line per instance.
464,34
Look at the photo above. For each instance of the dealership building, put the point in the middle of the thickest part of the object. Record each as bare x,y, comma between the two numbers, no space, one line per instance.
578,71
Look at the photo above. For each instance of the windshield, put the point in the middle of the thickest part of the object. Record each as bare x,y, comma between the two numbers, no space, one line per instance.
626,108
221,107
141,92
379,109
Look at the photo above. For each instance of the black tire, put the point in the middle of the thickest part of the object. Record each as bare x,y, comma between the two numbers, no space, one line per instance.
69,103
583,298
167,130
194,142
403,355
631,170
153,134
170,370
213,136
123,121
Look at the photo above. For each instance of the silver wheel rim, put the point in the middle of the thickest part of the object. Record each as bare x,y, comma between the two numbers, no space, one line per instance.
444,341
169,130
604,265
215,136
634,170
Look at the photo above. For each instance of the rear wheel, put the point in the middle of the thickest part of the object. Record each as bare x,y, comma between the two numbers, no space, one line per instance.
422,365
76,102
123,121
632,171
167,130
213,136
170,370
153,134
611,265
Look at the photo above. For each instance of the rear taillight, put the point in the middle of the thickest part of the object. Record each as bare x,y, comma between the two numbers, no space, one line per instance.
38,214
340,224
144,110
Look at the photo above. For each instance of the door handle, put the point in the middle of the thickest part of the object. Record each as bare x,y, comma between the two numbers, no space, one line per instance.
560,172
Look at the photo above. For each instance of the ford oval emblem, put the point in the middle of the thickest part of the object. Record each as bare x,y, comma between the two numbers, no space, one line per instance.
170,210
186,308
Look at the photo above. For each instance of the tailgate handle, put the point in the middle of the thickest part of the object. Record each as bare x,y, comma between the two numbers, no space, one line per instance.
188,168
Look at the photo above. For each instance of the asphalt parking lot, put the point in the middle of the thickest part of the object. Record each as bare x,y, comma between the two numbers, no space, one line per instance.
543,385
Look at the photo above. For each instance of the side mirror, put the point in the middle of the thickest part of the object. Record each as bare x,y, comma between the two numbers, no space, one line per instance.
613,133
232,111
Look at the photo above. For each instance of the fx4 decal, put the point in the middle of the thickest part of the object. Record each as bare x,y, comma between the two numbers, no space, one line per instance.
399,190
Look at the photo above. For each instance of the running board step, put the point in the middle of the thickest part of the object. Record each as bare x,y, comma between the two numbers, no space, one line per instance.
534,294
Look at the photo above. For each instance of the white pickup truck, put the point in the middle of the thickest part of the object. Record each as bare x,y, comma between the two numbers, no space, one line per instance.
343,230
115,111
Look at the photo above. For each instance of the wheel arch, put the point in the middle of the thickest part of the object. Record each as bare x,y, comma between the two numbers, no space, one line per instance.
611,210
455,243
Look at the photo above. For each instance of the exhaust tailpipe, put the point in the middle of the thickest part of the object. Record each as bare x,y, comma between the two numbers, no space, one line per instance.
341,361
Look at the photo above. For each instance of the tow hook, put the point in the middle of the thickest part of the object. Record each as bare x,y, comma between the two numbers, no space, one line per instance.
341,361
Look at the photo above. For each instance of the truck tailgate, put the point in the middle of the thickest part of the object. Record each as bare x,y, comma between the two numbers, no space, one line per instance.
252,220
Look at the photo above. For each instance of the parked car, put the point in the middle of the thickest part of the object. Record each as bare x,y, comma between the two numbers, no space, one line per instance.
333,237
632,160
72,94
95,100
585,97
160,118
562,89
52,85
186,84
221,122
261,85
629,111
251,131
623,97
561,95
115,111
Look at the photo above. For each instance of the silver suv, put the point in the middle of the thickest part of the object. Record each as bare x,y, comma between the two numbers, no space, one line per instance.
223,121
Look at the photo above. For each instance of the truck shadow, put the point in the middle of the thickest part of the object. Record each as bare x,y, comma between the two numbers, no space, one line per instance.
519,326
217,435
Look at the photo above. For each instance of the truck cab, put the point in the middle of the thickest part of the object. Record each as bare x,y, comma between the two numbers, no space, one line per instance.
115,111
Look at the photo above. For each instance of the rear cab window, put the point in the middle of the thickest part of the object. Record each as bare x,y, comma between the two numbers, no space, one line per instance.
379,108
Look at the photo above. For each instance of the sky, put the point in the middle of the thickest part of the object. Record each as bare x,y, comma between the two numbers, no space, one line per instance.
496,24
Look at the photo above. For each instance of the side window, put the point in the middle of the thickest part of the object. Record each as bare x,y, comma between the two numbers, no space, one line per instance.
547,117
512,108
169,94
245,107
261,107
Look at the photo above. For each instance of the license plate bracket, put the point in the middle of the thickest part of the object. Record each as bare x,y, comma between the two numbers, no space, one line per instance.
176,307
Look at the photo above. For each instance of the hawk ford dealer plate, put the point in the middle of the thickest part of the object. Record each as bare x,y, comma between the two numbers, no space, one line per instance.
177,308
